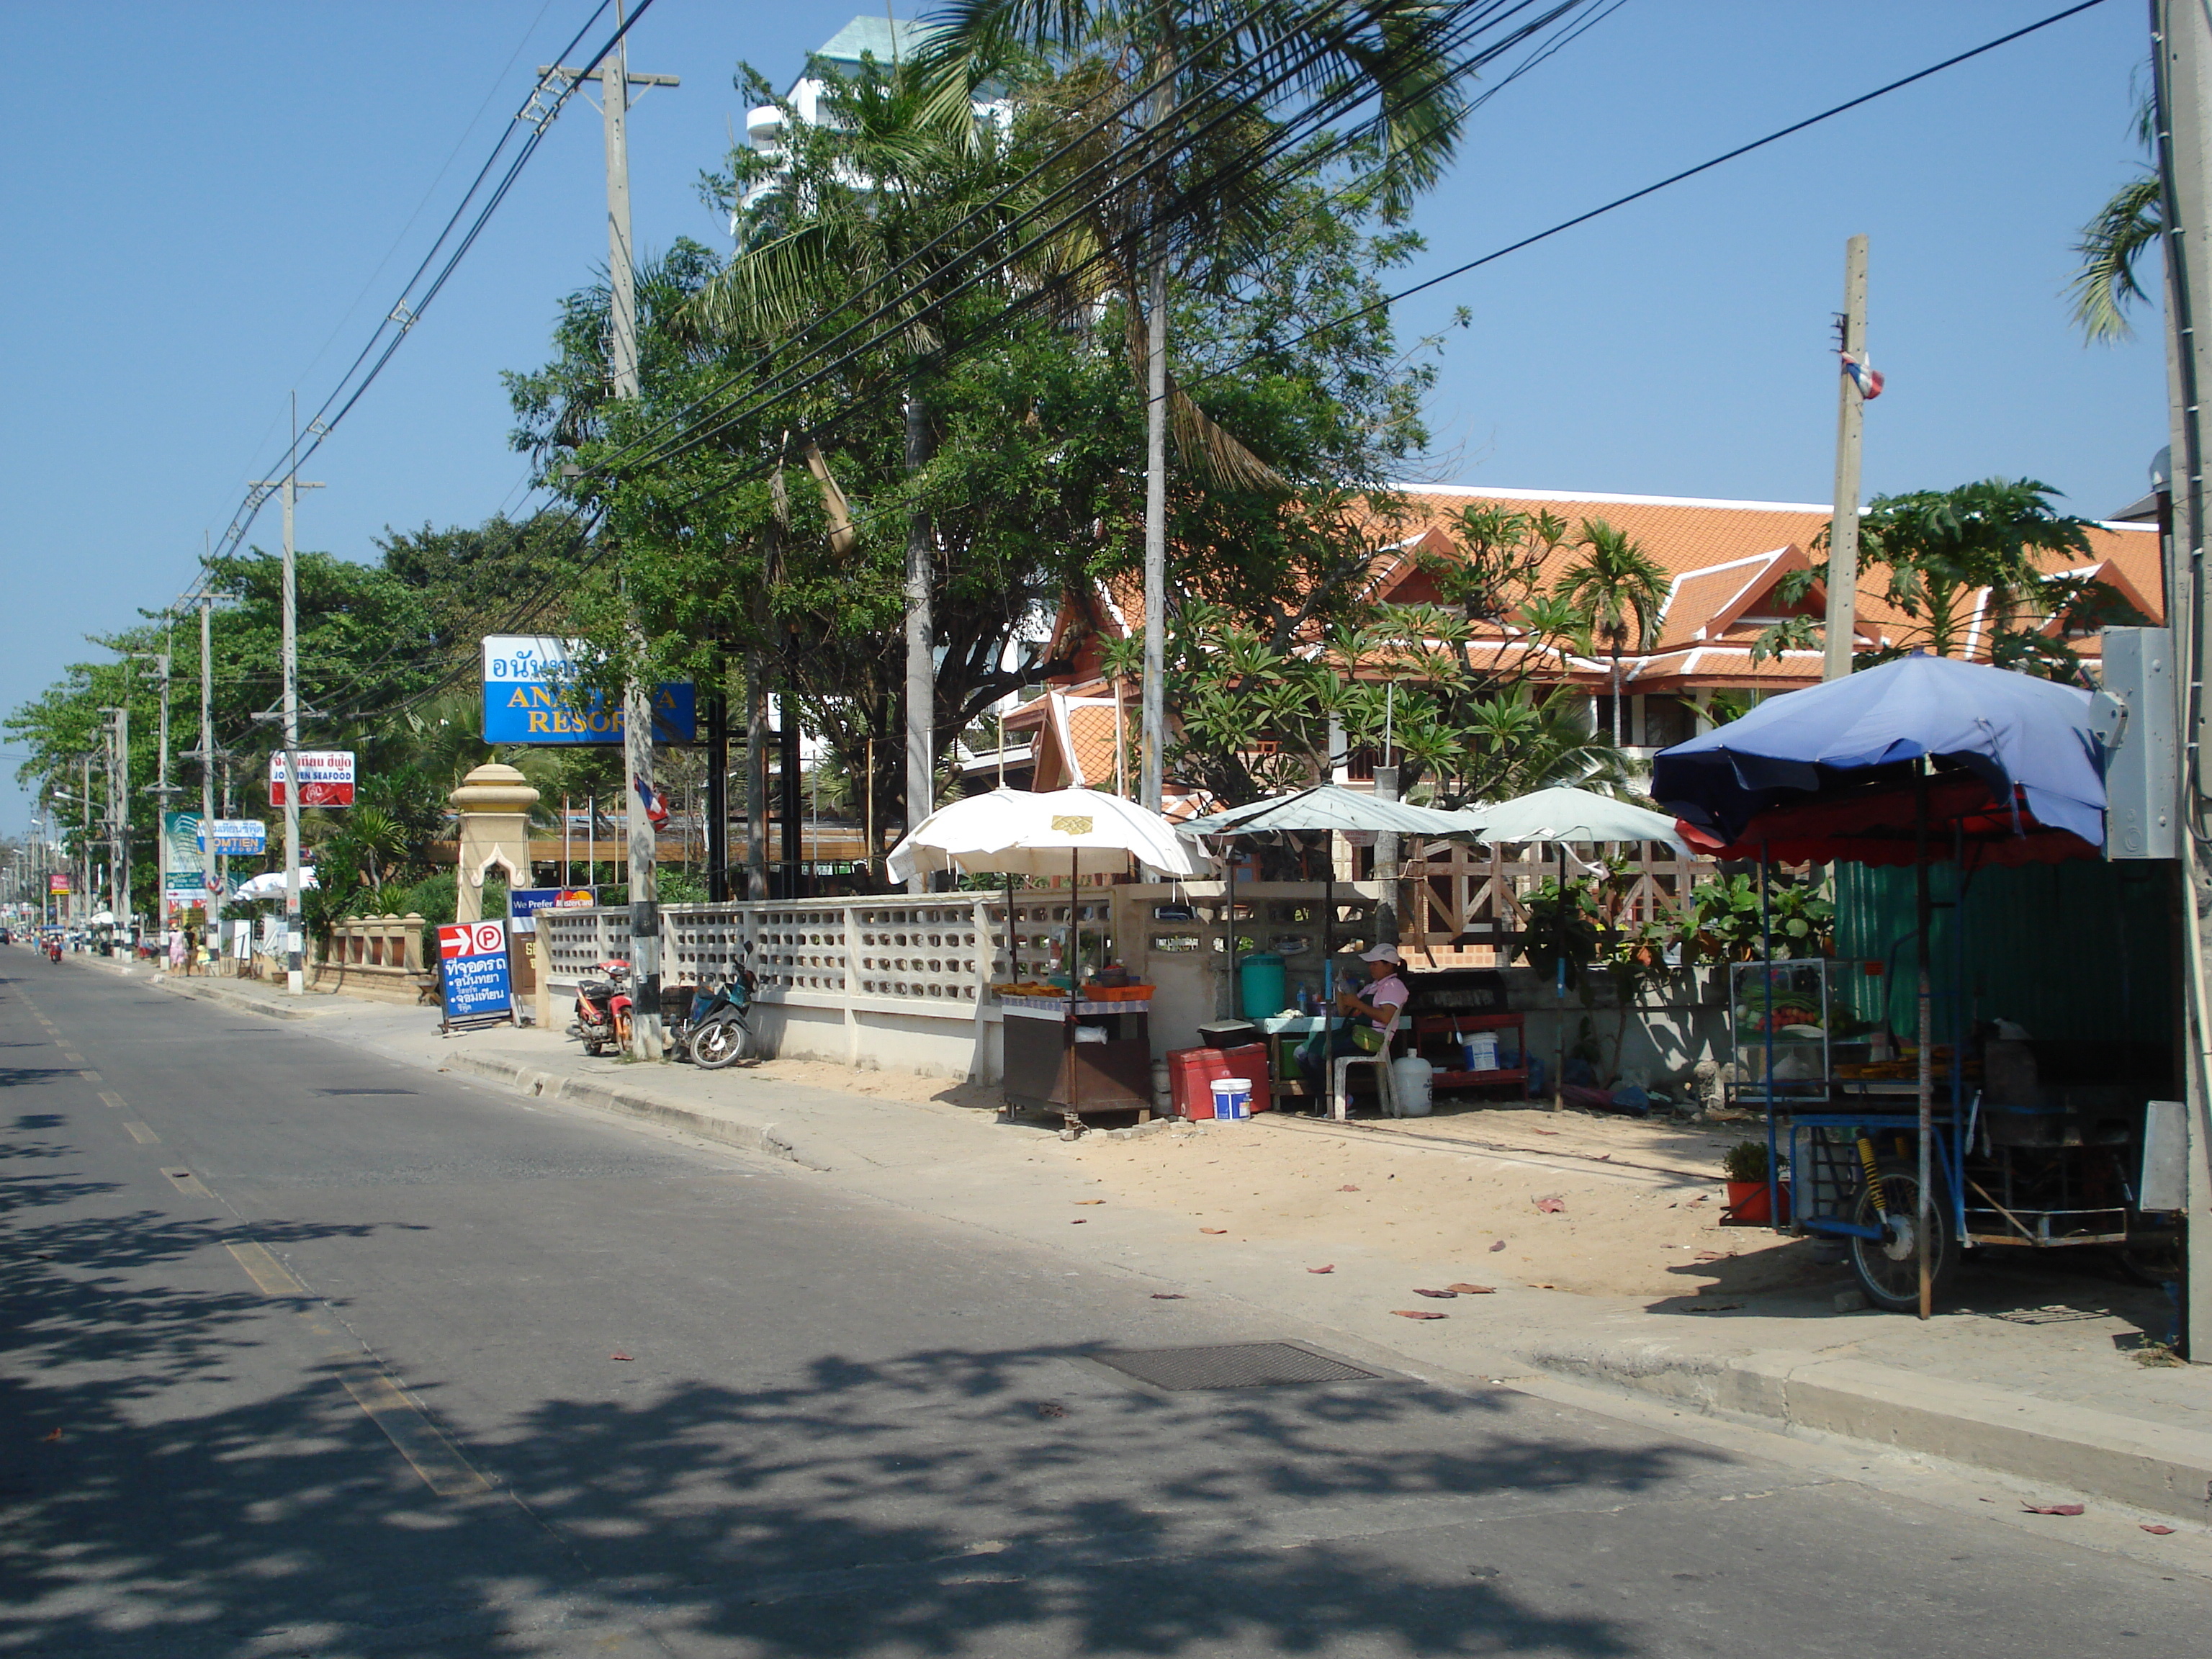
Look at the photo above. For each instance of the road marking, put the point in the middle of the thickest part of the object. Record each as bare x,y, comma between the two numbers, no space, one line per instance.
271,1277
74,1059
142,1134
109,1098
409,1427
90,1077
375,1390
186,1182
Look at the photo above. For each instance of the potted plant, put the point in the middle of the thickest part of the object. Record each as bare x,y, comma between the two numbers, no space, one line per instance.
1746,1167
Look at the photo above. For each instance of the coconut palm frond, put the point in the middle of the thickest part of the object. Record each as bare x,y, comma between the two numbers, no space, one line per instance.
2105,284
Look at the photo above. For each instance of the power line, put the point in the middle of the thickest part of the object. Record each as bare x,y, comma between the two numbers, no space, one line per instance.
1649,190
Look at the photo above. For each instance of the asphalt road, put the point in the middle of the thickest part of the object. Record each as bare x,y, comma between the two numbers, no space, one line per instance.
305,1352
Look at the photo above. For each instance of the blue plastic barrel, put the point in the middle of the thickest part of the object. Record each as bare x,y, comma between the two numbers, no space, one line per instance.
1263,989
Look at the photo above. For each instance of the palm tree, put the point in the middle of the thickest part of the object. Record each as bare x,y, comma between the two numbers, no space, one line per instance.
897,187
1233,62
2104,285
1618,590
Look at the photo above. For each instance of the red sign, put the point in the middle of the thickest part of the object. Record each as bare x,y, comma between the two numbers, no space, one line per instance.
58,883
326,778
472,939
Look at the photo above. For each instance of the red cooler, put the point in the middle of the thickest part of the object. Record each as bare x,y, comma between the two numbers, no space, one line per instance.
1191,1072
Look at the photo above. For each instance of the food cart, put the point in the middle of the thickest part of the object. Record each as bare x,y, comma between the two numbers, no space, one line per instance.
1951,1141
1088,1047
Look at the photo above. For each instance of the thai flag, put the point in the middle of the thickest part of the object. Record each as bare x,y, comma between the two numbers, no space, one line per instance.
1862,370
656,810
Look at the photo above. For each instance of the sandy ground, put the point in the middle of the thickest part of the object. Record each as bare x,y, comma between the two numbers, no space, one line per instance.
1602,1206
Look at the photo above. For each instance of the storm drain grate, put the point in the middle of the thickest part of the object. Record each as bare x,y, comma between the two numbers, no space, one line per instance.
1230,1365
368,1091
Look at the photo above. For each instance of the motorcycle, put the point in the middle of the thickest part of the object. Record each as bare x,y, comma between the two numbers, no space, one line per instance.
715,1030
603,1009
54,951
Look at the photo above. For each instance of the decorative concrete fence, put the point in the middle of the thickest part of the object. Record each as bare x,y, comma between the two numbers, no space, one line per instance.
903,983
374,956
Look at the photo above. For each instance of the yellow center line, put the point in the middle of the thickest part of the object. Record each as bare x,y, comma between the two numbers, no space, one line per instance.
413,1434
142,1134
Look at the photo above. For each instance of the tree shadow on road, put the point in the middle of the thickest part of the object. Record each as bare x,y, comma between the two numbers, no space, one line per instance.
155,1500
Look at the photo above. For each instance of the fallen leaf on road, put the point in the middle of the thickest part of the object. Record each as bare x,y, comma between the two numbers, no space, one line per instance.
2152,1527
1442,1295
1699,1199
1051,1408
1347,1189
1328,1269
55,1435
1603,1157
1416,1313
1472,1290
1078,1221
1089,1200
1711,1307
618,1356
1551,1206
1213,1230
1170,1295
1498,1247
1547,1132
2053,1509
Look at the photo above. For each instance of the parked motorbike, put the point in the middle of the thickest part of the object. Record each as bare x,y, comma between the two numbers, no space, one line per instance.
715,1028
603,1009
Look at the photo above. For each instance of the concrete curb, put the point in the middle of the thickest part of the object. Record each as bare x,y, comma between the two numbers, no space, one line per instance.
748,1134
2148,1465
237,1000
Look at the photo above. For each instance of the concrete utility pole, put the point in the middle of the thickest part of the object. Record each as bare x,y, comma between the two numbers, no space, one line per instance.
920,645
614,83
1844,523
288,487
118,813
2181,61
161,792
211,882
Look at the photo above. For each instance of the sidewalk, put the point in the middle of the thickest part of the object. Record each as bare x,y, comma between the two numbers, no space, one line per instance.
2030,1372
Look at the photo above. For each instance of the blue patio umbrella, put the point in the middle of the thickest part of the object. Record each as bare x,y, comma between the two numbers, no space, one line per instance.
2012,731
1842,771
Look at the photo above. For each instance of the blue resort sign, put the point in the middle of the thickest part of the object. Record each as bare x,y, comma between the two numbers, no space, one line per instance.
530,696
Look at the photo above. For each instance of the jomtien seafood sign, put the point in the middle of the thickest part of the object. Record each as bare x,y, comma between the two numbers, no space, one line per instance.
532,695
325,777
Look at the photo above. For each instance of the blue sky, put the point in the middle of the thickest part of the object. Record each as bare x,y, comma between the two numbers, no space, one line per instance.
200,198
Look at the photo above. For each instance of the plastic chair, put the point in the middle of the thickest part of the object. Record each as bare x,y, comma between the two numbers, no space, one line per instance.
1385,1091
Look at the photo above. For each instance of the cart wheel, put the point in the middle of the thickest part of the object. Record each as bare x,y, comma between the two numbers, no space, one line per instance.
1888,1268
2152,1262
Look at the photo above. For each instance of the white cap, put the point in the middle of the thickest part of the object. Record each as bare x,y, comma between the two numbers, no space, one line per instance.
1383,953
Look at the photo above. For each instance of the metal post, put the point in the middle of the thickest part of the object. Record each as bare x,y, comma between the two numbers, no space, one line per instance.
1844,523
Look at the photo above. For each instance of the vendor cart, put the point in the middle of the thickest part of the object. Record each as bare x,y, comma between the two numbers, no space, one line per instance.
1909,1160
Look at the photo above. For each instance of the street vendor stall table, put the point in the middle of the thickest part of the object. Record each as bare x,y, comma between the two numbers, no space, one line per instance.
1915,762
1051,1058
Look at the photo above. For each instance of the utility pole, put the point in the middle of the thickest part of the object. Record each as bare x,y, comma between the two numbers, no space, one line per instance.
614,83
161,792
921,643
288,487
118,812
1844,522
211,881
2181,66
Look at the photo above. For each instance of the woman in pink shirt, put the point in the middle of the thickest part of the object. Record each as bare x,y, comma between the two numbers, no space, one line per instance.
1379,1011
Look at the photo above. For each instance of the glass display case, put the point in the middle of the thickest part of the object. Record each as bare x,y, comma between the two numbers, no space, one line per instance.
1781,1018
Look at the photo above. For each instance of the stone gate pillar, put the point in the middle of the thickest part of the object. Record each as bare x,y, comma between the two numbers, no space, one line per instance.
494,802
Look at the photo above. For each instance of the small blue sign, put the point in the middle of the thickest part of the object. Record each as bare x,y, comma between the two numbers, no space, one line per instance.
472,963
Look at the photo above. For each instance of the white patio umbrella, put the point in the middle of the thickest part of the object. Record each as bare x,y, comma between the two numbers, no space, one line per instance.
272,885
1574,816
1025,832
